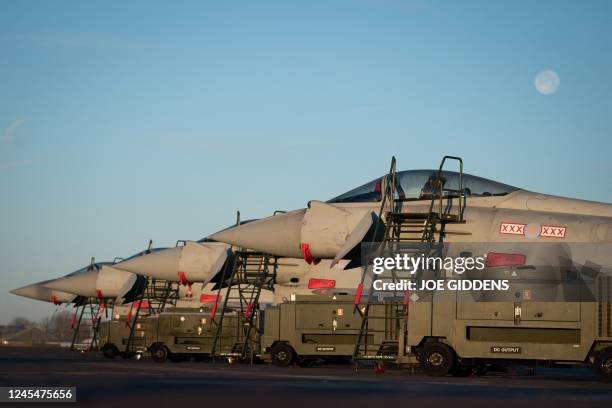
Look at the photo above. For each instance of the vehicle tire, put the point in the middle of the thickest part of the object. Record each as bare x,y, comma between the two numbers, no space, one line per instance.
603,364
438,359
109,351
282,355
159,354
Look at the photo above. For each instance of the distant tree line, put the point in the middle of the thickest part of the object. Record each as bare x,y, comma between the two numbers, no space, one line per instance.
54,328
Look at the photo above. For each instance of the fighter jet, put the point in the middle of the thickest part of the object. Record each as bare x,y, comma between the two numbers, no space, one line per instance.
191,262
203,261
39,291
56,295
99,280
485,211
103,280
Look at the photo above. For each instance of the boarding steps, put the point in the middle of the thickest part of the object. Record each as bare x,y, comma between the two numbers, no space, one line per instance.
151,298
154,297
245,276
414,234
85,325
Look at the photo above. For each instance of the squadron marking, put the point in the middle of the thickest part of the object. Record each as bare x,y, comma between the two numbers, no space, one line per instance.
552,231
510,228
532,230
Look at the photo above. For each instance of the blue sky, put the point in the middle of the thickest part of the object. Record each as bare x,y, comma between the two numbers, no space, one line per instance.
122,122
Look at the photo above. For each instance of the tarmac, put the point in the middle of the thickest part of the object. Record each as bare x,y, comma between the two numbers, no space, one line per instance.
112,383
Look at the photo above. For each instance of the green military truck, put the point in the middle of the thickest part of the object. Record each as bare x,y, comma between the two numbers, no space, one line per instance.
314,327
113,336
179,333
104,337
450,334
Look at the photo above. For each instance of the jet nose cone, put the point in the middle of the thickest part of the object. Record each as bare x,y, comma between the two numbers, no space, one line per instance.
39,292
160,264
277,235
83,284
193,262
29,291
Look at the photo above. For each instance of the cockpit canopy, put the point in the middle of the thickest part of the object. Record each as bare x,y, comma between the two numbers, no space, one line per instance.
136,255
420,184
86,268
206,239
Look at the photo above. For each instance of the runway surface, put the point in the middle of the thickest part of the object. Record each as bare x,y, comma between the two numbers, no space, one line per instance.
114,383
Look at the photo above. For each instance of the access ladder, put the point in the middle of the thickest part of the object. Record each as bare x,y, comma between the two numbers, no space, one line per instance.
85,324
245,277
152,299
413,234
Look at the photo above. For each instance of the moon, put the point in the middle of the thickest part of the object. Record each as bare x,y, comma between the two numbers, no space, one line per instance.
547,82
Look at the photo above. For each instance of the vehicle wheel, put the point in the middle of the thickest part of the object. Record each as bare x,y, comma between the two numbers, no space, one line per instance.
160,354
109,351
282,355
603,364
438,359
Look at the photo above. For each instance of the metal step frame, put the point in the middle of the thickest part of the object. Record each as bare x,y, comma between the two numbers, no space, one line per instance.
415,234
245,276
156,295
86,323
